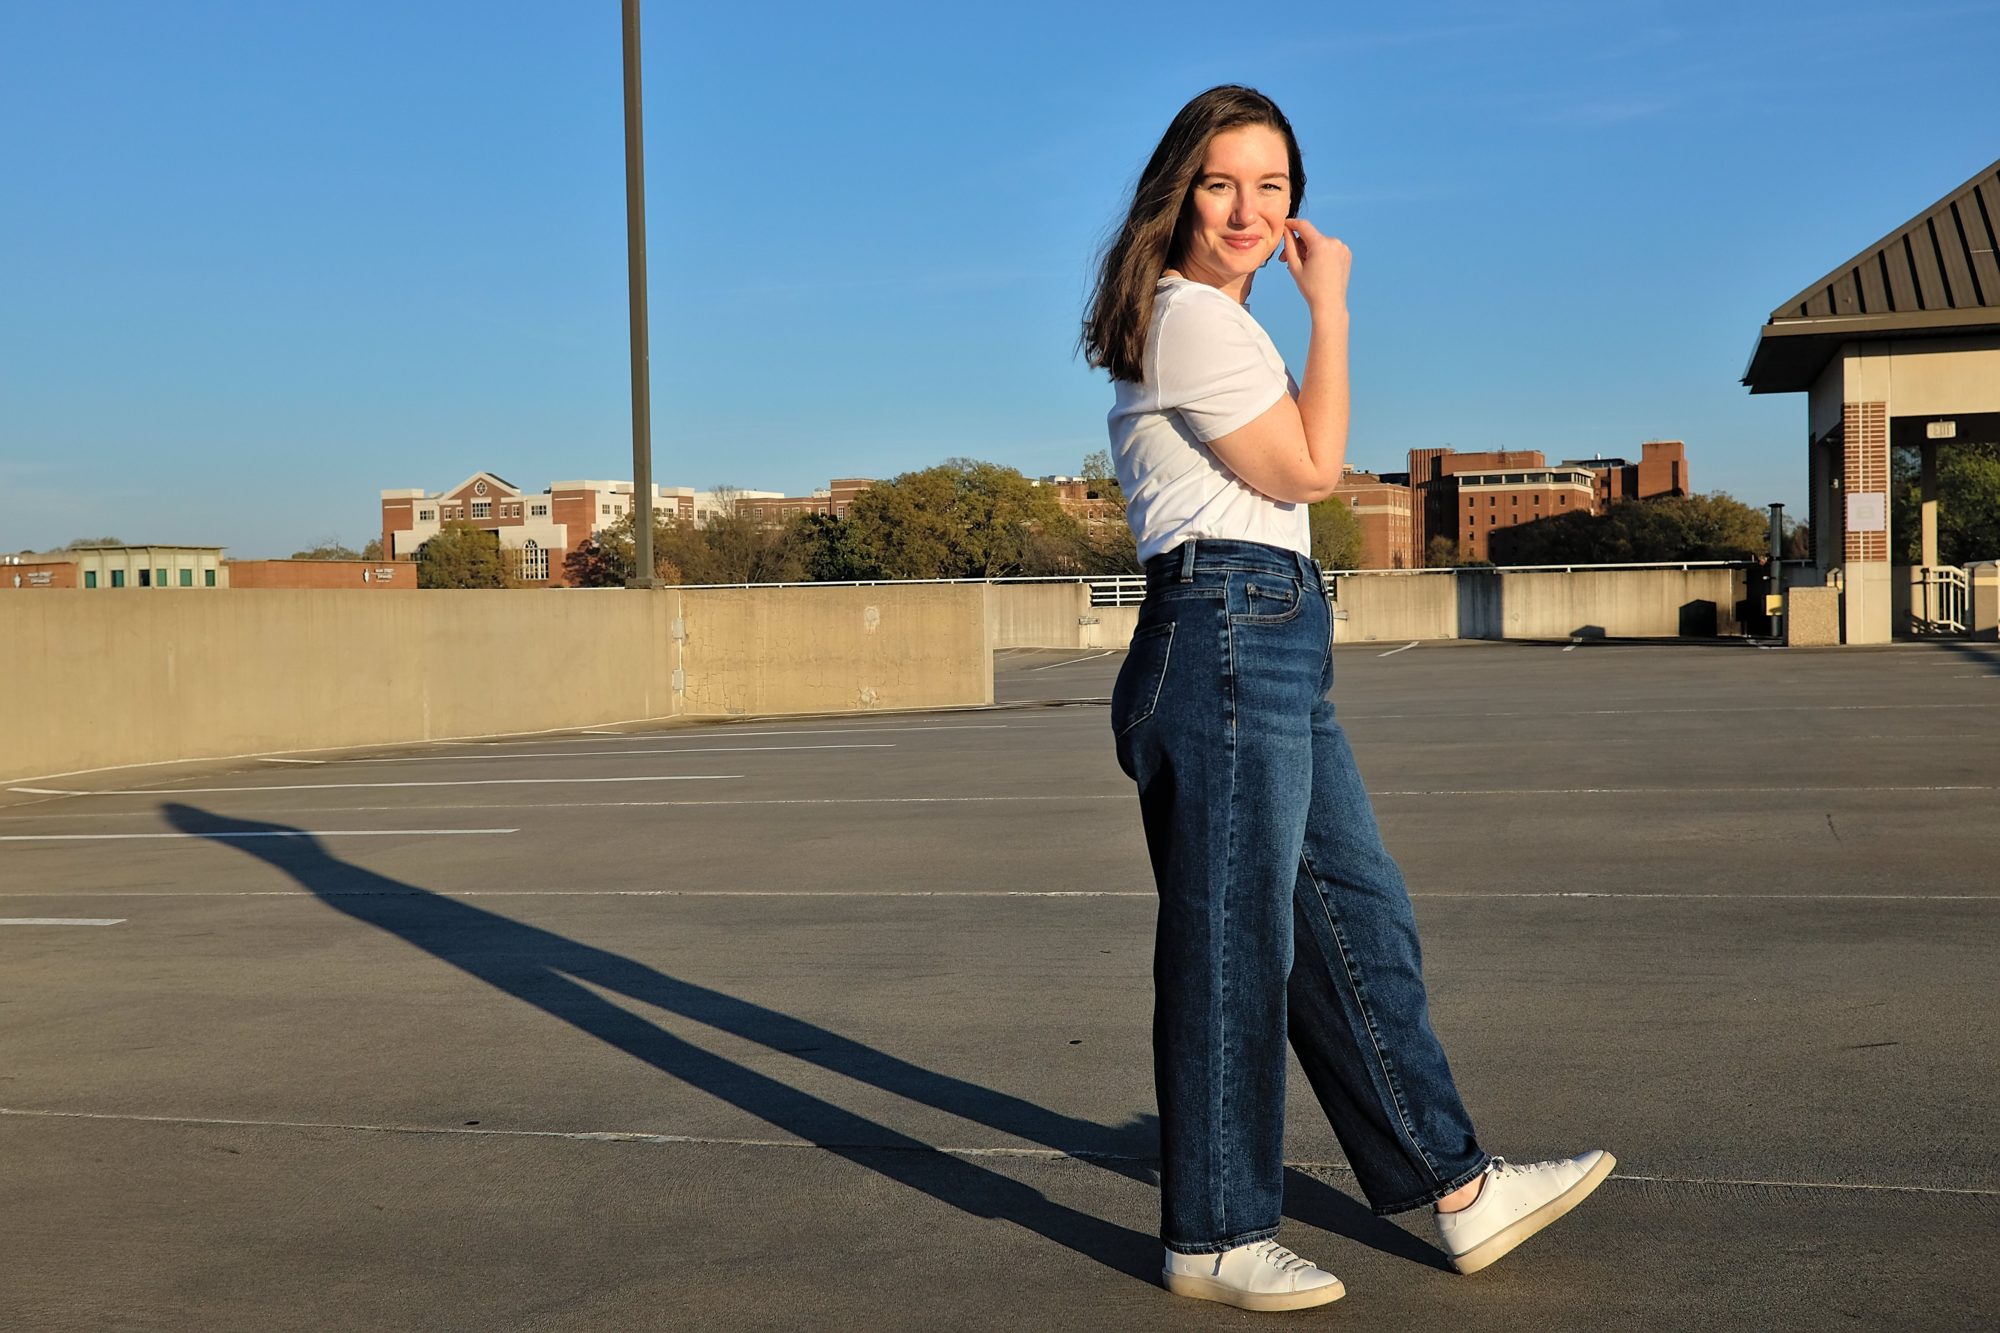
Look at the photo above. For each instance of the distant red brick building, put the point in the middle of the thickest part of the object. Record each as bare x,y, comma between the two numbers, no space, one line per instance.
540,529
1465,496
378,574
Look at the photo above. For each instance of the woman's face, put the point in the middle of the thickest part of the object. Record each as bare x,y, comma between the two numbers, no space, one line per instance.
1241,199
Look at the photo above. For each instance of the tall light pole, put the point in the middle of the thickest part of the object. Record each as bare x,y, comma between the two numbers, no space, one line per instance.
635,265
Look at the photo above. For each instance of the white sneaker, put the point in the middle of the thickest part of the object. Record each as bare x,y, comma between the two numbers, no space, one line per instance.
1516,1201
1262,1275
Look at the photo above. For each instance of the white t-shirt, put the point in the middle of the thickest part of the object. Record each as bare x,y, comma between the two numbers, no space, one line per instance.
1210,368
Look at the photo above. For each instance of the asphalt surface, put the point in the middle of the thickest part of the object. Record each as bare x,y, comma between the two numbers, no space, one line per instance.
842,1022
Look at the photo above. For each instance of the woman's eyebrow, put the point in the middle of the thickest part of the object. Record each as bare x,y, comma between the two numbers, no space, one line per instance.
1267,176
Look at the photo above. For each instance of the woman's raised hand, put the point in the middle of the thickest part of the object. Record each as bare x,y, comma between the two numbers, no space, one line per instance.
1319,264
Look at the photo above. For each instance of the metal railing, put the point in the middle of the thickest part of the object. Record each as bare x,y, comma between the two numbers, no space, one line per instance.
1944,600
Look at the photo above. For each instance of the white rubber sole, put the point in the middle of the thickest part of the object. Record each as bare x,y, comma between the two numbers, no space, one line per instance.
1208,1289
1498,1244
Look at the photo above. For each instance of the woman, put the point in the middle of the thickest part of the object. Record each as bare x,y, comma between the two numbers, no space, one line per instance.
1280,911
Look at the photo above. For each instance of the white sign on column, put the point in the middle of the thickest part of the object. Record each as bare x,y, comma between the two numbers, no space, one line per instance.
1867,511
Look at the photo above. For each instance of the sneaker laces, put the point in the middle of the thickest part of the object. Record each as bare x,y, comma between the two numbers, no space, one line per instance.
1501,1165
1281,1258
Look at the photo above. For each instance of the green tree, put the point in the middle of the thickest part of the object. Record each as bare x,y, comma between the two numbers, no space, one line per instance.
1336,534
1101,477
373,550
1442,553
606,558
461,556
827,550
1968,503
1714,526
86,543
964,519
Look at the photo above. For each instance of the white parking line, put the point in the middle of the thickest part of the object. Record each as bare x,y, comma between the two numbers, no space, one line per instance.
62,920
593,754
1071,662
1664,791
1662,712
654,1139
338,786
707,733
1404,649
256,833
1461,895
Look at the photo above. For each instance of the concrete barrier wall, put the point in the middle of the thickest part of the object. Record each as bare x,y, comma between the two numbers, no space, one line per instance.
828,650
1395,607
94,679
1620,603
1038,615
1490,604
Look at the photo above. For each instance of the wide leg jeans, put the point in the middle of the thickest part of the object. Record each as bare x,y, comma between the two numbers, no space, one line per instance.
1281,915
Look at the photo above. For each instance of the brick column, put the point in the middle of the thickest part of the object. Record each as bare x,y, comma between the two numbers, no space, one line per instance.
1865,555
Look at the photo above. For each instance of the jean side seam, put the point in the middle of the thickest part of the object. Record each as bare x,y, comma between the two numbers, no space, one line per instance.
1224,1121
1368,1019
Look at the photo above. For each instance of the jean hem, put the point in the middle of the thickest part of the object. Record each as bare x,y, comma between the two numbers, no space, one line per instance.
1423,1200
1217,1247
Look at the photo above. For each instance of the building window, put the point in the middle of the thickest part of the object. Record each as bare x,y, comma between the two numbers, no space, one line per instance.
161,579
117,578
145,578
1538,499
482,509
187,578
427,515
539,511
90,578
1562,499
1516,501
534,562
208,578
603,510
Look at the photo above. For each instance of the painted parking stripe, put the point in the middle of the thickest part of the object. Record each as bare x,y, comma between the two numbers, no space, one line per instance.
257,833
338,786
1404,649
593,754
62,920
1070,662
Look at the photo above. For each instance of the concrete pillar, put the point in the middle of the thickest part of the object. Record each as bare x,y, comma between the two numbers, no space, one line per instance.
1984,575
1928,452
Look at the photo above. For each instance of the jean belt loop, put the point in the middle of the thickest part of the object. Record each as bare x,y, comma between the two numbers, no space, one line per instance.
1187,561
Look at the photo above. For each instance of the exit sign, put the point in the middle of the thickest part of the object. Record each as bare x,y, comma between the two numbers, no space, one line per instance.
1941,430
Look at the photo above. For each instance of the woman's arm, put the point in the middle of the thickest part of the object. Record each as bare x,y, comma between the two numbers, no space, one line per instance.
1294,451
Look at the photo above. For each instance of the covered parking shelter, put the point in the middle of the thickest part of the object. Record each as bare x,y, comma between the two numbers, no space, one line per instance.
1899,346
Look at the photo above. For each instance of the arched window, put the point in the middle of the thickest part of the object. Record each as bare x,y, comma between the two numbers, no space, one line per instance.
534,563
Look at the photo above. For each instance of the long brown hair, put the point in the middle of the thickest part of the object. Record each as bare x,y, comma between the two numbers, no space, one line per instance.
1155,234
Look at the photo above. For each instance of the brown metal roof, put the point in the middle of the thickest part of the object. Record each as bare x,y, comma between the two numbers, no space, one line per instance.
1936,274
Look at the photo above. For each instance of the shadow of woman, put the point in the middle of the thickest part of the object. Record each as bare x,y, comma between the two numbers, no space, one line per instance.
544,969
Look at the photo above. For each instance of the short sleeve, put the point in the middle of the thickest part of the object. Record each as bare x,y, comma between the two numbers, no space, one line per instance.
1210,367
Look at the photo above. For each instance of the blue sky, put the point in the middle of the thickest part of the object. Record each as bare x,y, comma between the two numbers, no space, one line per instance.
263,260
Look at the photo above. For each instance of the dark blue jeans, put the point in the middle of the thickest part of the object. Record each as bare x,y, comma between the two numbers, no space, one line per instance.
1281,914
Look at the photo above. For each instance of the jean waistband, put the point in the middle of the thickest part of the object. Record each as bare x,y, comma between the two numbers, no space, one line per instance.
1206,555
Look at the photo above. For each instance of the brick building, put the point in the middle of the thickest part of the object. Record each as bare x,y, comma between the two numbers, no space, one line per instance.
1082,501
1382,505
382,575
1464,496
542,528
1661,470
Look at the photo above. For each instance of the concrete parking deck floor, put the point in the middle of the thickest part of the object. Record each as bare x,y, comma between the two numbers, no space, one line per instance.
842,1023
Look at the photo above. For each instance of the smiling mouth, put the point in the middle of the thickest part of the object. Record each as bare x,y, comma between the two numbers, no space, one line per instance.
1241,242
